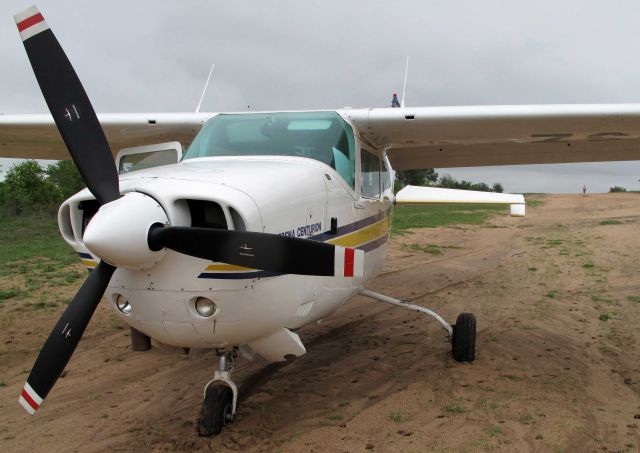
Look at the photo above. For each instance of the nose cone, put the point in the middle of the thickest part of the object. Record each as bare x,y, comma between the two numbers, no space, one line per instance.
118,232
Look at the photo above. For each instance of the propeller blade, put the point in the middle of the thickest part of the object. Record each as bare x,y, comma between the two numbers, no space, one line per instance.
64,338
269,252
69,105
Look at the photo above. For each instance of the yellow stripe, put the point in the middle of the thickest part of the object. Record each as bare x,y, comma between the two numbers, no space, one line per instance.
227,267
89,263
364,235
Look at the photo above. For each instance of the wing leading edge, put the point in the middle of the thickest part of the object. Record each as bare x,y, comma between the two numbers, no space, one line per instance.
36,136
441,137
420,137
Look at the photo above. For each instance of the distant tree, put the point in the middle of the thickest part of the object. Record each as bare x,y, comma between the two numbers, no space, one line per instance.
481,187
448,182
66,177
617,189
465,185
497,187
427,176
25,188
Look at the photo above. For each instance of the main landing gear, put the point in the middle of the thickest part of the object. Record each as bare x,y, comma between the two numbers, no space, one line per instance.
220,397
462,334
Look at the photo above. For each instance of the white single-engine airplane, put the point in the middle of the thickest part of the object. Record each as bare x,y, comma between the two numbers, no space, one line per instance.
269,221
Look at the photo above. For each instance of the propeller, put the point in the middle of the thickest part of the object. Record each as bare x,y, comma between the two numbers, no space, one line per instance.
120,232
274,253
78,124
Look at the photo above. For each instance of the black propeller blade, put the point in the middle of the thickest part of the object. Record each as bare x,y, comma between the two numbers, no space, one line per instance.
64,338
72,112
78,124
270,252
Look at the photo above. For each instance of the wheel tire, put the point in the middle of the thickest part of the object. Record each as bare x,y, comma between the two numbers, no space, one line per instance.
463,341
217,410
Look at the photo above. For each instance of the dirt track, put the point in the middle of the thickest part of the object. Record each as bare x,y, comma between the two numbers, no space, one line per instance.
557,296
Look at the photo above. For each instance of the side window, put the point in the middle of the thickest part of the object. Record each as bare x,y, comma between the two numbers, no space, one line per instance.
370,175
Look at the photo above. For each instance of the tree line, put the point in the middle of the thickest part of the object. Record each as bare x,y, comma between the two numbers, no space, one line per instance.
429,177
28,188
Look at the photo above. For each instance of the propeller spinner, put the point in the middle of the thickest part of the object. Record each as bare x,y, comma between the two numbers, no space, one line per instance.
132,231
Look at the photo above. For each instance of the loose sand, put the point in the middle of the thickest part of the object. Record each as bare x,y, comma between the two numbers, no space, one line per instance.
557,297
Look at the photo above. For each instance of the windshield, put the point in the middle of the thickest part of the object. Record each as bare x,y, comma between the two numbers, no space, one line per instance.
322,136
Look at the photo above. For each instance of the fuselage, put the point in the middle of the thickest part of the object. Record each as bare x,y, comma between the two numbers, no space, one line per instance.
295,194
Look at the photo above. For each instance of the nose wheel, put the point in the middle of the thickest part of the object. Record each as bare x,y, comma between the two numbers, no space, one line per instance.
217,409
220,398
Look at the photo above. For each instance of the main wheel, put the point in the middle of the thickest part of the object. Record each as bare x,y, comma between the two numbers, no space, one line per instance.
463,342
217,409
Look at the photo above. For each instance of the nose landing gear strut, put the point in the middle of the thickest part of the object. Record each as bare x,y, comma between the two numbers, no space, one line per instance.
220,397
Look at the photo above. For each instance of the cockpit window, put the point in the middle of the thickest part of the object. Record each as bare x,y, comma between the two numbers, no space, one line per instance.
322,136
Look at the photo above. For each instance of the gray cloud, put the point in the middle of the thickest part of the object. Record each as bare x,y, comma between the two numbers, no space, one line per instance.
154,56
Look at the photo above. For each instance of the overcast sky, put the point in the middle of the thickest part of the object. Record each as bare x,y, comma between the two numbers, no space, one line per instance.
154,56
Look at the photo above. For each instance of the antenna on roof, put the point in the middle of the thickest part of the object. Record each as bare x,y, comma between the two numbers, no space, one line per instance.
205,89
404,87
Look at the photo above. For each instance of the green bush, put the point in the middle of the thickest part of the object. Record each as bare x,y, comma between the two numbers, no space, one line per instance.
29,189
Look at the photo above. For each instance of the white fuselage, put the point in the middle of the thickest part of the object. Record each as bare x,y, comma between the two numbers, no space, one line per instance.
295,196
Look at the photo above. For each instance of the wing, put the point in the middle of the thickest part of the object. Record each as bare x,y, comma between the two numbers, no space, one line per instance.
441,137
36,136
437,195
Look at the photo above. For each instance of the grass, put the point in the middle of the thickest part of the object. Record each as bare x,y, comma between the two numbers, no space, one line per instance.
9,293
604,317
33,250
610,222
633,298
607,300
432,216
455,409
397,417
23,238
428,248
534,203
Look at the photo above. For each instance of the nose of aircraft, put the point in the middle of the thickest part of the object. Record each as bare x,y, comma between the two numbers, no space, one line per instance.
119,230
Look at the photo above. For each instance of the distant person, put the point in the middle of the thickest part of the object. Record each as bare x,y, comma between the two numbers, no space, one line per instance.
394,101
584,190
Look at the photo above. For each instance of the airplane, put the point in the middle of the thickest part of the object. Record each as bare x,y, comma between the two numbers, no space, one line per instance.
269,220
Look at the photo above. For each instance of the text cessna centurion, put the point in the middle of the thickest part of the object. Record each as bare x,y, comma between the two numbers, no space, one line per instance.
268,221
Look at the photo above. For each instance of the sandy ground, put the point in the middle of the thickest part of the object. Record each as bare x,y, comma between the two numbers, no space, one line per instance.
557,297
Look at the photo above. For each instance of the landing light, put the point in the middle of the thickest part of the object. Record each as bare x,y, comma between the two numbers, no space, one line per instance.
123,305
205,307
